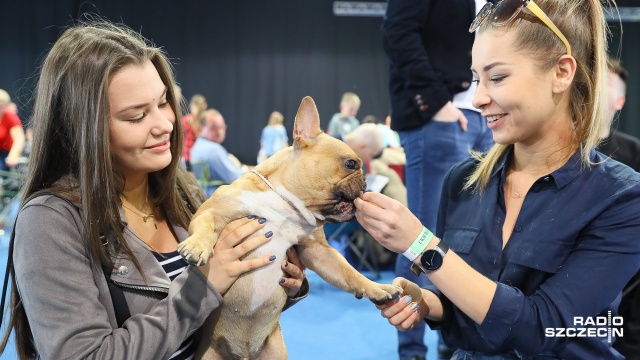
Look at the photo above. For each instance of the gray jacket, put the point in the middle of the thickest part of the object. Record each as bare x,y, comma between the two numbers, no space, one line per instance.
68,303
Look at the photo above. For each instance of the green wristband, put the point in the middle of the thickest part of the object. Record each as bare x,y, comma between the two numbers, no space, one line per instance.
419,244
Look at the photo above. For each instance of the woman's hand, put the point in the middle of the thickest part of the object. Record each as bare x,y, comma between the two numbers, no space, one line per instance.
293,273
405,313
387,220
233,243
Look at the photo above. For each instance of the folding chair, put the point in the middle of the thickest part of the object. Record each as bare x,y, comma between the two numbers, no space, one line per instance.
364,256
201,171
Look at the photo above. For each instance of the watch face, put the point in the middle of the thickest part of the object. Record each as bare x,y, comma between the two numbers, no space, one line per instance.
431,260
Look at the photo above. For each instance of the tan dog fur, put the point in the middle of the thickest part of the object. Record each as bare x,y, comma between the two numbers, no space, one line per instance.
315,180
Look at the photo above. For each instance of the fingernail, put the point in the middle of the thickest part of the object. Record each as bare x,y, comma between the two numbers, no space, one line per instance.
415,307
407,299
286,264
269,234
272,257
262,220
251,217
281,281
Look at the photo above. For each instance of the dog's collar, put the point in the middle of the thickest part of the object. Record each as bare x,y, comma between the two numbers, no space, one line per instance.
290,199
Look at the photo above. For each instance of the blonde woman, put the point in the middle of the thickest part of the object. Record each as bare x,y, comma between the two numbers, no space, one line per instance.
538,236
274,137
191,126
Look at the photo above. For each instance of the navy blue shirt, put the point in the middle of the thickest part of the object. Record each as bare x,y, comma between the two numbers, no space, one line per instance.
575,244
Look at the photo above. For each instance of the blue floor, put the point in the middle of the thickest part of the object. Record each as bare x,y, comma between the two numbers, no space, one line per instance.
329,324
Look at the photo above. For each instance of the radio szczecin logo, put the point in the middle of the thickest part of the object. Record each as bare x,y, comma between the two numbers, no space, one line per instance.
607,327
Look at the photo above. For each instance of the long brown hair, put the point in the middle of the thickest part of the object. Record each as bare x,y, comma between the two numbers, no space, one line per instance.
71,142
584,25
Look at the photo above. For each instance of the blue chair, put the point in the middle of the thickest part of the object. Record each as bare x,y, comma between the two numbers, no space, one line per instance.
201,171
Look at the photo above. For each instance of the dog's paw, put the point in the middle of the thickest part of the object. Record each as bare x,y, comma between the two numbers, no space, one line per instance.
382,293
196,251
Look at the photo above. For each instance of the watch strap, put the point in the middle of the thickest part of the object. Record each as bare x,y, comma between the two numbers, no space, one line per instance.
416,270
441,247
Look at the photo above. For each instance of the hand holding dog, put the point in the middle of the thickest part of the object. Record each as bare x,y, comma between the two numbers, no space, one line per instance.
293,273
405,313
387,220
224,268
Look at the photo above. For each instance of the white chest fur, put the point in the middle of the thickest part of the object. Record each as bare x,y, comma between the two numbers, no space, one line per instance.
288,223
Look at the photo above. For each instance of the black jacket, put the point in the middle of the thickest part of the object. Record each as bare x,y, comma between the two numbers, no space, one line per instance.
429,47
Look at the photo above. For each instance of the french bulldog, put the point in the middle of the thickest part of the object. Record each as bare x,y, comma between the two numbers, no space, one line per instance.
297,190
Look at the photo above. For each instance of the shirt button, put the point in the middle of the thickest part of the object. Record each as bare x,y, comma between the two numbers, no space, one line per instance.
546,178
518,228
465,84
122,270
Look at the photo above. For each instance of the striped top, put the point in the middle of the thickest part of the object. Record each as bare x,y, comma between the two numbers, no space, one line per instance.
173,264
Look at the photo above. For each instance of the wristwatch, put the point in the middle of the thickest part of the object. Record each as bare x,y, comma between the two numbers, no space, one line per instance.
430,260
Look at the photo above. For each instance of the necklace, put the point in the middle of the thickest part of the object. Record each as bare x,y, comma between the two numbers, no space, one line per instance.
144,217
517,194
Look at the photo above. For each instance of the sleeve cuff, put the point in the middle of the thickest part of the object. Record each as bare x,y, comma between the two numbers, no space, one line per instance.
302,293
502,316
446,308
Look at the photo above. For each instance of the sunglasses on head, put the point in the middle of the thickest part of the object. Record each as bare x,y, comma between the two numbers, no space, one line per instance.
506,10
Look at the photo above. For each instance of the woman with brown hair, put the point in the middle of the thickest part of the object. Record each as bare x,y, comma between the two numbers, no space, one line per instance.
105,162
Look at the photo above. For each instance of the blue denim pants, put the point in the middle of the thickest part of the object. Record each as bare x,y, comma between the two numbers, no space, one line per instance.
471,355
431,151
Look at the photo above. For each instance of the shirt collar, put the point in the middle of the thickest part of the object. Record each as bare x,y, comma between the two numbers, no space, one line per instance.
561,177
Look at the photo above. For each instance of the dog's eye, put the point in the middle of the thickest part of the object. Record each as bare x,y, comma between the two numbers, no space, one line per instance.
351,164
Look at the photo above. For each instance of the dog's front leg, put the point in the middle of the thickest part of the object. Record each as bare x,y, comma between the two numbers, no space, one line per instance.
319,256
198,248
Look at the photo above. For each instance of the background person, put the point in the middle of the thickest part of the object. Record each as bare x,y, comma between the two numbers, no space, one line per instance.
345,121
620,146
428,45
191,125
273,138
208,149
11,133
508,273
625,149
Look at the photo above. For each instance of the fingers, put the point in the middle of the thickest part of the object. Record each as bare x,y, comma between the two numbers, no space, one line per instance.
250,244
368,210
402,314
463,121
238,230
292,286
408,288
241,267
291,270
294,258
234,225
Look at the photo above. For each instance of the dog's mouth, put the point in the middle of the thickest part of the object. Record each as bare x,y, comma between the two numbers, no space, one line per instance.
343,208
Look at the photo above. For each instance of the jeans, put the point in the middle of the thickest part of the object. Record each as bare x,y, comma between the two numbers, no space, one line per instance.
431,151
3,158
471,355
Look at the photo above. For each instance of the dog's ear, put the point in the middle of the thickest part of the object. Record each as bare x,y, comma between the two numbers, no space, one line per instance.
307,123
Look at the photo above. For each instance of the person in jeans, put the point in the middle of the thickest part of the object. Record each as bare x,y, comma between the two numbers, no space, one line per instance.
429,49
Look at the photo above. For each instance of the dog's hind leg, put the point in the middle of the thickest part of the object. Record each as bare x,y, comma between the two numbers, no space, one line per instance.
274,348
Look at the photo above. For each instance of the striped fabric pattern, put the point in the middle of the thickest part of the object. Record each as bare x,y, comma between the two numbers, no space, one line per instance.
173,264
